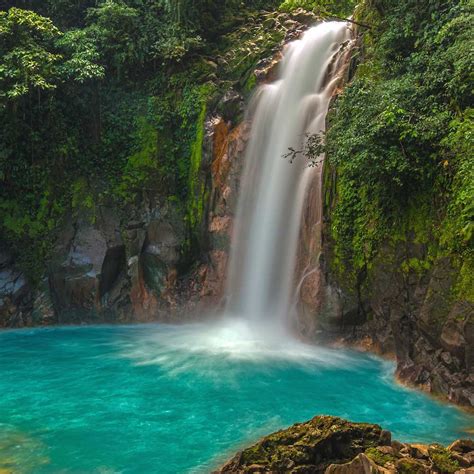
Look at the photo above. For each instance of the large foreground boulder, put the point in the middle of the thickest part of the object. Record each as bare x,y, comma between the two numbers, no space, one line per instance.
308,447
331,445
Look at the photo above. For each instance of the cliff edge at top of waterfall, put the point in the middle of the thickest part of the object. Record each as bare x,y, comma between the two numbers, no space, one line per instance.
331,445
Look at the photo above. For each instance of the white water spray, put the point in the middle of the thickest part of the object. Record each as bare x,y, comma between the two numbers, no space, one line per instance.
272,194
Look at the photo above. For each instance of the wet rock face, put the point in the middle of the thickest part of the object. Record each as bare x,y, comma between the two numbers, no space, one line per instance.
330,445
88,266
119,267
14,293
409,314
160,253
20,304
360,464
76,280
414,318
225,145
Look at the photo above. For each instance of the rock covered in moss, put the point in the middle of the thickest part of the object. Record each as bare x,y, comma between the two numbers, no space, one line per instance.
307,447
331,445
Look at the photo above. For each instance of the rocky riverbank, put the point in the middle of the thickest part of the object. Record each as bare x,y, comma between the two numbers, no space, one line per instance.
331,445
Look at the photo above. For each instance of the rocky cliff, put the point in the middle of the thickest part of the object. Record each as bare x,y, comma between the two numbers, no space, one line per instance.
155,257
406,313
396,258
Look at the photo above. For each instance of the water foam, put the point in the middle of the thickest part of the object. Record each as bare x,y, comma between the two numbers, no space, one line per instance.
208,346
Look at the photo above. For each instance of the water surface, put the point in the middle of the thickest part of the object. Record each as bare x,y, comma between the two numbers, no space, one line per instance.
175,399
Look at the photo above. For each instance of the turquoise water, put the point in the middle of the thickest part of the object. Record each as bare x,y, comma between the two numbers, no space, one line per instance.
166,399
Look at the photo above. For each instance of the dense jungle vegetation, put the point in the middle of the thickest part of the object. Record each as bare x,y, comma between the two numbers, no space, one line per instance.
101,100
401,139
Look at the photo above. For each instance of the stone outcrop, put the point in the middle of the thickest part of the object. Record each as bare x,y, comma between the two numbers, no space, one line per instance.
20,304
226,145
407,314
307,447
331,445
14,293
117,267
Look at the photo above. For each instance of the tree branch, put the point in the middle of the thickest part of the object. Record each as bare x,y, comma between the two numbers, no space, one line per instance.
363,25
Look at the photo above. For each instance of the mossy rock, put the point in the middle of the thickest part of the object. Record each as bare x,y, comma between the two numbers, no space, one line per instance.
307,447
442,460
410,466
379,457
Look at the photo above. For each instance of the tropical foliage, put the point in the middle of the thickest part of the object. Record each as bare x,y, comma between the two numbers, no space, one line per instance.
401,135
99,101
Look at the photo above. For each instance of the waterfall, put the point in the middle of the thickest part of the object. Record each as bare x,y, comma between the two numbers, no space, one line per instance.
273,190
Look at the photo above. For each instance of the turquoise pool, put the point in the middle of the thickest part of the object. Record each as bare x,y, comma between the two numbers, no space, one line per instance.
176,399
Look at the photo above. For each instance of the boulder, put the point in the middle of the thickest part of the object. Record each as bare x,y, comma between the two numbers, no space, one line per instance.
160,254
462,446
307,447
411,466
361,464
331,445
75,281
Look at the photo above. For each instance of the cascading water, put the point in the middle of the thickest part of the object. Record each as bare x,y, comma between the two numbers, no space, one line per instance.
273,191
192,394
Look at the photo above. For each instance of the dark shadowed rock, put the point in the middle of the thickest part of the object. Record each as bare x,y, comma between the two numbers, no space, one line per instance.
14,296
21,304
231,107
307,447
410,316
462,446
331,445
75,281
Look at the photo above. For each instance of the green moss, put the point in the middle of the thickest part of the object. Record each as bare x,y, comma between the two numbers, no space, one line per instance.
82,199
410,466
443,461
464,288
327,185
378,457
303,443
141,167
416,265
196,186
250,83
